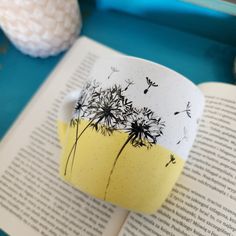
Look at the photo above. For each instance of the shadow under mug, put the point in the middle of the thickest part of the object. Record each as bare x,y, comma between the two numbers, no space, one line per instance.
127,133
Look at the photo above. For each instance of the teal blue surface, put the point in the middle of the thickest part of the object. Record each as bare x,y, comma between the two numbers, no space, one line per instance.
197,56
20,77
181,15
2,233
220,5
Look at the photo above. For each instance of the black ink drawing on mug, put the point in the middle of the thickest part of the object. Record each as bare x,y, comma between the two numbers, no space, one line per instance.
187,110
108,110
150,84
172,160
129,83
113,70
143,129
103,108
185,137
79,109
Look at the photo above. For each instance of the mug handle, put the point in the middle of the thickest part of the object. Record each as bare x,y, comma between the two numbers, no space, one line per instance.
65,114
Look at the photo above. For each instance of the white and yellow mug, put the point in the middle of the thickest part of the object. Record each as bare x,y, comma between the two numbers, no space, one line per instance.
130,132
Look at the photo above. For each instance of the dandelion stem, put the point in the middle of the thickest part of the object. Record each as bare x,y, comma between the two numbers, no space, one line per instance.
179,141
168,162
74,146
67,161
146,90
183,110
76,140
172,160
90,122
114,164
109,76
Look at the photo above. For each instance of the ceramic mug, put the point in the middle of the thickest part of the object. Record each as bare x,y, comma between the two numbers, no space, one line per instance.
127,133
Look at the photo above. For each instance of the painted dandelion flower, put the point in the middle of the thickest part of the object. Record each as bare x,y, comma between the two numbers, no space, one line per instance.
143,130
79,106
76,117
78,113
106,111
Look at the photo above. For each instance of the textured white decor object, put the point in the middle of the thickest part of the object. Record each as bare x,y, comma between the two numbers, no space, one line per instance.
40,28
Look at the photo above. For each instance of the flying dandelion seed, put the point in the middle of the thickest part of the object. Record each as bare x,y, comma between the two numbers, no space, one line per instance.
172,160
129,83
185,137
113,70
187,110
150,84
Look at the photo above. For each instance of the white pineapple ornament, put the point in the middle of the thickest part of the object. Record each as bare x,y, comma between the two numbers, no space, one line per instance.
40,28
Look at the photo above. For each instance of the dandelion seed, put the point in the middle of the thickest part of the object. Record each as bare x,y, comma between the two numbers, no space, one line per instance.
172,160
113,70
129,83
150,83
184,136
187,110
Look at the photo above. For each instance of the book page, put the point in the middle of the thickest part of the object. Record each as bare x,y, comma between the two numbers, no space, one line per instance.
203,201
33,199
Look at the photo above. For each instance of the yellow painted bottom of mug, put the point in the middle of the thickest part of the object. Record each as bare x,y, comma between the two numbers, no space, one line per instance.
140,180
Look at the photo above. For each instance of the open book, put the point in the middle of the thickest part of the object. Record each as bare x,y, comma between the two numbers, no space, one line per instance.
35,201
